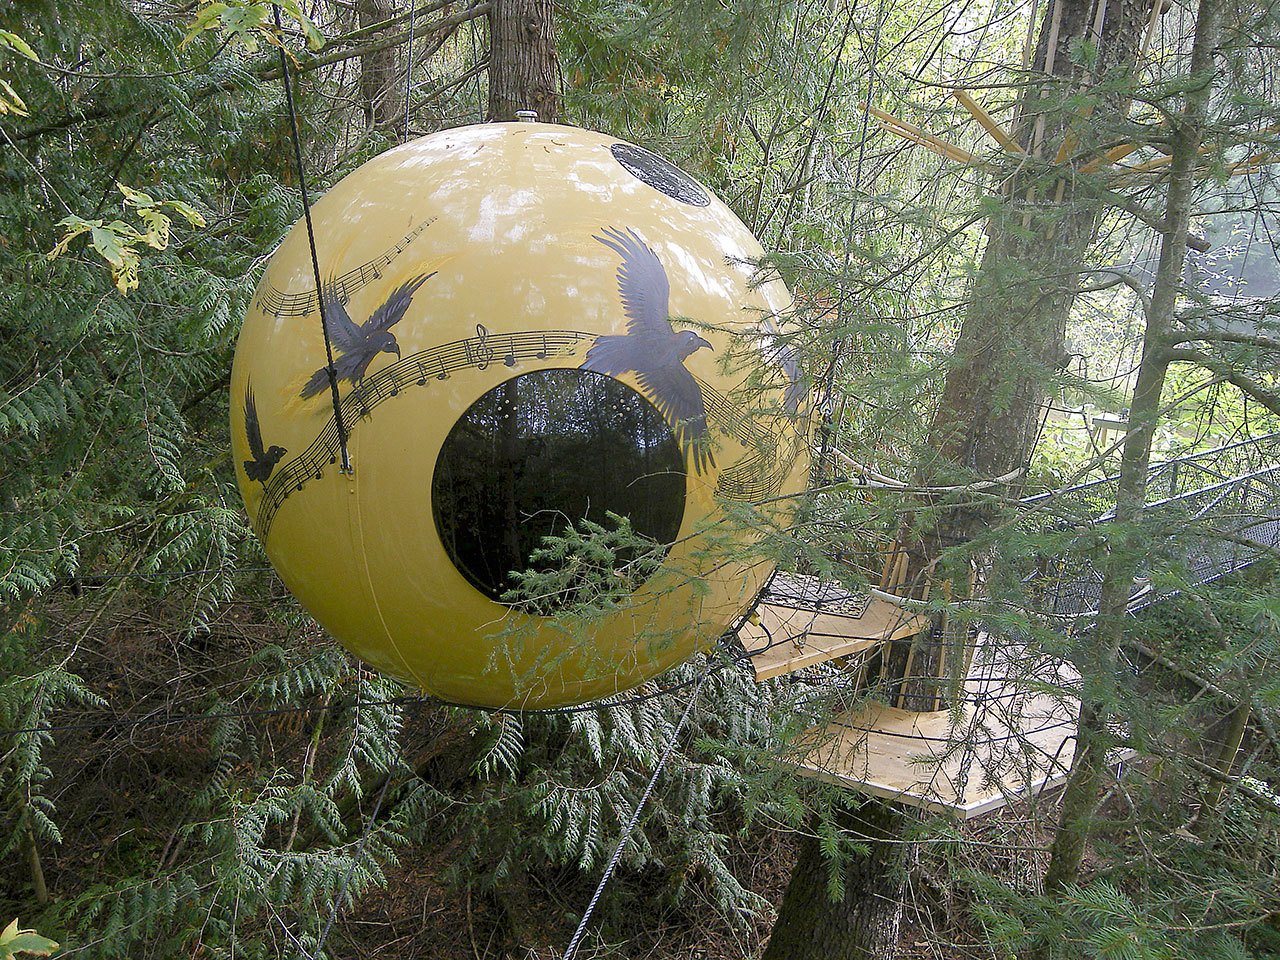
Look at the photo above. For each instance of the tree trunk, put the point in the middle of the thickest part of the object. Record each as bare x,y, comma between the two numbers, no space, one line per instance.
524,71
860,925
1012,342
381,77
1207,816
38,885
1124,547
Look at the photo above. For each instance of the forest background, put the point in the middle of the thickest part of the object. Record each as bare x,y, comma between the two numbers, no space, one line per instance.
189,767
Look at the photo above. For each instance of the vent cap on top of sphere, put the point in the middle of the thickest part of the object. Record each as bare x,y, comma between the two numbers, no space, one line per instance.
538,332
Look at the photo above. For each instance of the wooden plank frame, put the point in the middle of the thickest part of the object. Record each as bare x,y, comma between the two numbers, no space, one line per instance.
787,638
1009,741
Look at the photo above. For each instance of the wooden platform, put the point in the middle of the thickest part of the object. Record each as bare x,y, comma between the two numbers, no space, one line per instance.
1006,743
800,622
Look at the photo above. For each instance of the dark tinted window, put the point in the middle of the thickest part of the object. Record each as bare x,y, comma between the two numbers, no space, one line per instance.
661,174
546,449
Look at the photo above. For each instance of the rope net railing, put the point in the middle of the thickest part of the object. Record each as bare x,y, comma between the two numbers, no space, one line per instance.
1169,478
1192,530
1208,515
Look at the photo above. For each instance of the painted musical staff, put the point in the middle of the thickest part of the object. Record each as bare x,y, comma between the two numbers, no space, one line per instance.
281,304
757,475
731,418
416,370
761,472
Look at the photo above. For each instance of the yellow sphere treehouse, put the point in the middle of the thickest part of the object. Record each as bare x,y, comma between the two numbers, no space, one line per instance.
539,337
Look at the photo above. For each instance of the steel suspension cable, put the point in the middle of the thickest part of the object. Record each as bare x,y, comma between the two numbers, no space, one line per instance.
286,78
408,69
581,932
825,403
351,869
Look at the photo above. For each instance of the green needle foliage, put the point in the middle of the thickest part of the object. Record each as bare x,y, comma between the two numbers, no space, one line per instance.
190,768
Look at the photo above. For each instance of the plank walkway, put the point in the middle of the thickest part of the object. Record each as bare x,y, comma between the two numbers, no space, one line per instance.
1013,734
1004,744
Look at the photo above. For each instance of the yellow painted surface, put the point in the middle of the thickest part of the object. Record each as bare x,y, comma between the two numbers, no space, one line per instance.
506,217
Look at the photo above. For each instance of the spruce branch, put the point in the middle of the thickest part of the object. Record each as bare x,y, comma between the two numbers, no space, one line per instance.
1228,373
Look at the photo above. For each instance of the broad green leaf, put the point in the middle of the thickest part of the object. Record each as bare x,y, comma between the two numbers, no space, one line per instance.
73,227
14,42
186,211
315,39
126,274
107,242
206,19
14,942
157,234
10,102
135,198
242,22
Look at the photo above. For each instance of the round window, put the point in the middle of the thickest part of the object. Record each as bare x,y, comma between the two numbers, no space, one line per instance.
542,452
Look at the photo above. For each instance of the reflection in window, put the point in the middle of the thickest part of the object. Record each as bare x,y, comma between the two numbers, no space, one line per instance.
545,450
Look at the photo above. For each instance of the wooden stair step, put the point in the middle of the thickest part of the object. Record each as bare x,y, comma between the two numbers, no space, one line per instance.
782,637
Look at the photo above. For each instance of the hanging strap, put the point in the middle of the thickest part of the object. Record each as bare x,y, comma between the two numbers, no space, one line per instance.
408,69
287,79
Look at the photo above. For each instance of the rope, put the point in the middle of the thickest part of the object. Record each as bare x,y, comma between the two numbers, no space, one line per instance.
581,932
408,68
287,79
342,891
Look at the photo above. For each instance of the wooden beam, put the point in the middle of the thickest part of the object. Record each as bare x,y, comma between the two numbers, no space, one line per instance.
1150,32
988,122
1072,136
1253,163
1159,163
1114,155
909,131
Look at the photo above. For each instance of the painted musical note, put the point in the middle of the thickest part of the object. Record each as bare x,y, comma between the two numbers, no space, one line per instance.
437,362
482,354
281,304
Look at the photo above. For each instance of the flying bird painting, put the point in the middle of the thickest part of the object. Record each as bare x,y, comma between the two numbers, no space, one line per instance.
651,348
264,459
358,344
782,354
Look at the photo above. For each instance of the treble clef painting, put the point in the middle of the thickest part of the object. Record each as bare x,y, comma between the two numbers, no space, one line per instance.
479,352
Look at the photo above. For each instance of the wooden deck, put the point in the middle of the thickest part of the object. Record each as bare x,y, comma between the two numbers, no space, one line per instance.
1006,743
789,638
800,622
1013,736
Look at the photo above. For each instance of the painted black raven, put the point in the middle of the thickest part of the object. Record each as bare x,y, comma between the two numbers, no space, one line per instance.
651,348
264,460
358,345
784,355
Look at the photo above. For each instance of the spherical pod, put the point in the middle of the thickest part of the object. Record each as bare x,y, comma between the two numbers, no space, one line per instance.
540,341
